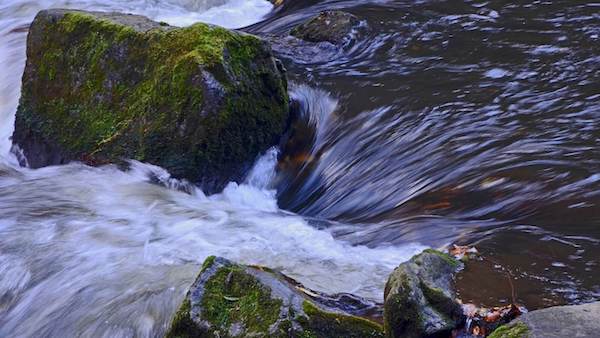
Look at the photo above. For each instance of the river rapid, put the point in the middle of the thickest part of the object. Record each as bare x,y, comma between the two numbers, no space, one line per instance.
439,122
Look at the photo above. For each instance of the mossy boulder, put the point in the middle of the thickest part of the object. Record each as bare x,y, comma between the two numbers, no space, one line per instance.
419,297
233,300
554,322
200,101
331,26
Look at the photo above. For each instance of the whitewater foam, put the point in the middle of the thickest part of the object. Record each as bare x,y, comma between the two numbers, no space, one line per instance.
86,242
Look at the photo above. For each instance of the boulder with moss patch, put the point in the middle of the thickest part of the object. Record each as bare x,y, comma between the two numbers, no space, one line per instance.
201,101
419,297
554,322
233,300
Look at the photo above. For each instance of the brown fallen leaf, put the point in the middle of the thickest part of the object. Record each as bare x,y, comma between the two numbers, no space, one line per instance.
460,251
492,316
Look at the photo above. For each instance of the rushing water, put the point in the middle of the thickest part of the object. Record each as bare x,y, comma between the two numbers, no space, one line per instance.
459,121
439,122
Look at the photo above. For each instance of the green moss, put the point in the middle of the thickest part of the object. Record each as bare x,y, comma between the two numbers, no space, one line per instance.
307,334
208,262
517,330
330,324
449,259
233,296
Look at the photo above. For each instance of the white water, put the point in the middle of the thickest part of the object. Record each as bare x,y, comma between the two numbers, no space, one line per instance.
98,252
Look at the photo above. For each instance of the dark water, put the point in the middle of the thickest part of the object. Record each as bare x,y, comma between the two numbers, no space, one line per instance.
457,121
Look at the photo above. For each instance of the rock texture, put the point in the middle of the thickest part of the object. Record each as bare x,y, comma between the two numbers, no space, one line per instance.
232,300
555,322
330,26
419,297
200,101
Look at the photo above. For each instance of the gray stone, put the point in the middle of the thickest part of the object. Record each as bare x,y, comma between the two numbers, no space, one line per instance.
573,321
330,26
419,297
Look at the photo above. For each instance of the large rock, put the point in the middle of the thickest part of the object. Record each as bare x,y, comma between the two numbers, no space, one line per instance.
554,322
200,101
330,26
232,300
419,297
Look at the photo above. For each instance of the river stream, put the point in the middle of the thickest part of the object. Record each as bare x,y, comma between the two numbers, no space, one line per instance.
438,122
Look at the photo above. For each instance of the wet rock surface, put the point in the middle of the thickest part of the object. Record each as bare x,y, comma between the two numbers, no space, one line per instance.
554,322
200,101
330,26
233,300
420,299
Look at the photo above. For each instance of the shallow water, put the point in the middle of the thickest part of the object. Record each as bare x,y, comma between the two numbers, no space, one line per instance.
440,122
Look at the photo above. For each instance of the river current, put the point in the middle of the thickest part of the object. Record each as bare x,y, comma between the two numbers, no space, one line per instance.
438,122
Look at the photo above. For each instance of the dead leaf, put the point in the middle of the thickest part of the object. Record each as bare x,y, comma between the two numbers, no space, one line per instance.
460,251
492,316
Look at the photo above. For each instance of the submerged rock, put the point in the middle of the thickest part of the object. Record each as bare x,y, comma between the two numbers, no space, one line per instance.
233,300
330,26
554,322
419,297
200,101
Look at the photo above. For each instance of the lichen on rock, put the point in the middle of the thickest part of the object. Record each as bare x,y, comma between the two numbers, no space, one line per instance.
200,101
234,300
419,298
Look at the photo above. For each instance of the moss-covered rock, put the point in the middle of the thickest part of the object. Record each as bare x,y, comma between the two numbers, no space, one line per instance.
233,300
581,320
200,101
330,26
419,297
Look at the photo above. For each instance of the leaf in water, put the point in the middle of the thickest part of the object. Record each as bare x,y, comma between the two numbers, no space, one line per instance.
460,251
